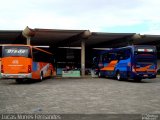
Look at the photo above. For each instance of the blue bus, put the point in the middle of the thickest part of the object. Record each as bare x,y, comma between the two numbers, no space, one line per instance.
131,62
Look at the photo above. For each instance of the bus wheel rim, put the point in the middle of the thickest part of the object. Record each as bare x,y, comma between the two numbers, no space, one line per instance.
118,76
41,77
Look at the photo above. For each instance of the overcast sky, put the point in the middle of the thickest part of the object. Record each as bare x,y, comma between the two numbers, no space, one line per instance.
138,16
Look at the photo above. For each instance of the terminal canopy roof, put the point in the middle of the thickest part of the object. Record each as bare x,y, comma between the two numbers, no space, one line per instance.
72,38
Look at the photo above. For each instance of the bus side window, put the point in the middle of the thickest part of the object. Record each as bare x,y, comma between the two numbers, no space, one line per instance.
114,56
120,55
106,58
127,53
124,54
34,55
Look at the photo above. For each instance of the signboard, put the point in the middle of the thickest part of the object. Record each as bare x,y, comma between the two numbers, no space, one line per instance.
145,50
12,50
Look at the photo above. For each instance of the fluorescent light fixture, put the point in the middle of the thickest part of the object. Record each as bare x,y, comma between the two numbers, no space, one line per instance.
42,46
70,47
102,48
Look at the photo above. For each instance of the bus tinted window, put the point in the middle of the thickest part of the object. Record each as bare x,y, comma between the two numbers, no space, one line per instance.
16,51
107,57
40,56
123,54
145,60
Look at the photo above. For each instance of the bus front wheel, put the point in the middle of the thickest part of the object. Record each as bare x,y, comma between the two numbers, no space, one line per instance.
99,74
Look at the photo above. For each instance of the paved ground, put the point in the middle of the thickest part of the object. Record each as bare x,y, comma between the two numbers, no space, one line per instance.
89,95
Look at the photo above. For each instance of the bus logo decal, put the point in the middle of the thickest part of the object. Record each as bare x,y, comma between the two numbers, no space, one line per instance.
15,62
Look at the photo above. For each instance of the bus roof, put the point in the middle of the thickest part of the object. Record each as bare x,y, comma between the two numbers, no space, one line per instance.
104,50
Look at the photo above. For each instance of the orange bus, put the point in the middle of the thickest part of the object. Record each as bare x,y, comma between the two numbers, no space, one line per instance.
26,62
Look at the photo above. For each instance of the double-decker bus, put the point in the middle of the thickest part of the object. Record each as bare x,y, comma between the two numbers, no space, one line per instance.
26,62
131,62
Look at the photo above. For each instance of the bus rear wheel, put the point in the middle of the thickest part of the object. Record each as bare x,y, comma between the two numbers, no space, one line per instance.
19,80
41,76
118,76
137,79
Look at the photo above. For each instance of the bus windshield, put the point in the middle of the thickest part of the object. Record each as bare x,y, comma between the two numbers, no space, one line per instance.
14,51
145,55
146,61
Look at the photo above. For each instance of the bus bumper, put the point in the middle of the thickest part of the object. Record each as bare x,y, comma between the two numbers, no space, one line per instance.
14,76
143,75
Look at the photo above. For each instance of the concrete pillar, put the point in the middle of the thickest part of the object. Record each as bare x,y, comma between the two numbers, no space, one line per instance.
28,40
28,33
83,57
85,35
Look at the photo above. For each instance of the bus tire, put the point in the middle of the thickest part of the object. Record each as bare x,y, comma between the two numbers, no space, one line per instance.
41,76
137,79
19,80
118,76
128,76
99,74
